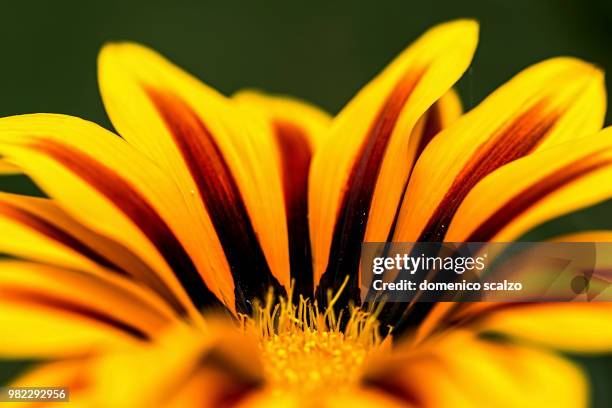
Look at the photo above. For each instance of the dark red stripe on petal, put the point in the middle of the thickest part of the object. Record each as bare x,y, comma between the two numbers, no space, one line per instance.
63,237
532,195
511,142
296,155
394,384
350,226
222,198
32,297
432,126
137,209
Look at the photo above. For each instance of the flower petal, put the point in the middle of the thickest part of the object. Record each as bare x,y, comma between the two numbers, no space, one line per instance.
40,231
47,311
535,189
474,372
582,327
585,329
441,115
551,102
221,158
359,174
298,130
106,185
312,121
212,368
576,327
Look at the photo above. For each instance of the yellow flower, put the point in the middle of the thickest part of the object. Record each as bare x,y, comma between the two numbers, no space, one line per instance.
138,278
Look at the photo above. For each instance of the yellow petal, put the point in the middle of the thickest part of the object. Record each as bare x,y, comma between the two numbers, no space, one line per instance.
183,368
312,121
47,311
361,170
557,100
112,189
38,230
534,189
221,157
577,326
537,188
298,130
461,370
222,360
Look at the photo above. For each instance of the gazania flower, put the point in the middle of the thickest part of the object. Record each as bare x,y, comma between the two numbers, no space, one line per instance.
208,254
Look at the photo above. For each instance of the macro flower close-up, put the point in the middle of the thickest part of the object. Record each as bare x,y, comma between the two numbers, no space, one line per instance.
206,251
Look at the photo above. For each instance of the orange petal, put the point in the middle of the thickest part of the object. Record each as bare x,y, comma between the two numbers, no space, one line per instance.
47,311
210,368
359,174
536,188
40,231
298,130
221,157
557,100
461,370
106,185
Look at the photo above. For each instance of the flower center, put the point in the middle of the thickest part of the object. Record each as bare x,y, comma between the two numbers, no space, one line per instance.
308,351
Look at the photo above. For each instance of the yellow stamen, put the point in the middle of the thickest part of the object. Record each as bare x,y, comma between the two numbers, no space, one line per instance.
306,350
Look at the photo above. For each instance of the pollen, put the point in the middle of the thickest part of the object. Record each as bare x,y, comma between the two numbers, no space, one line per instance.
306,350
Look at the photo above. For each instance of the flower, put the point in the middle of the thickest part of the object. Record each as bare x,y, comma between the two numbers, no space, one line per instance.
137,280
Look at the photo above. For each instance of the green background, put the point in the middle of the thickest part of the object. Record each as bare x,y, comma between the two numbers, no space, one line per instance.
321,51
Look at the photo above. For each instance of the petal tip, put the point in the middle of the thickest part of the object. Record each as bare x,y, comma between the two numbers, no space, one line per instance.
468,26
116,49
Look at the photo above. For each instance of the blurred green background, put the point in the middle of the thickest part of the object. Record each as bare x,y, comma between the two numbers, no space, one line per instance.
320,51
